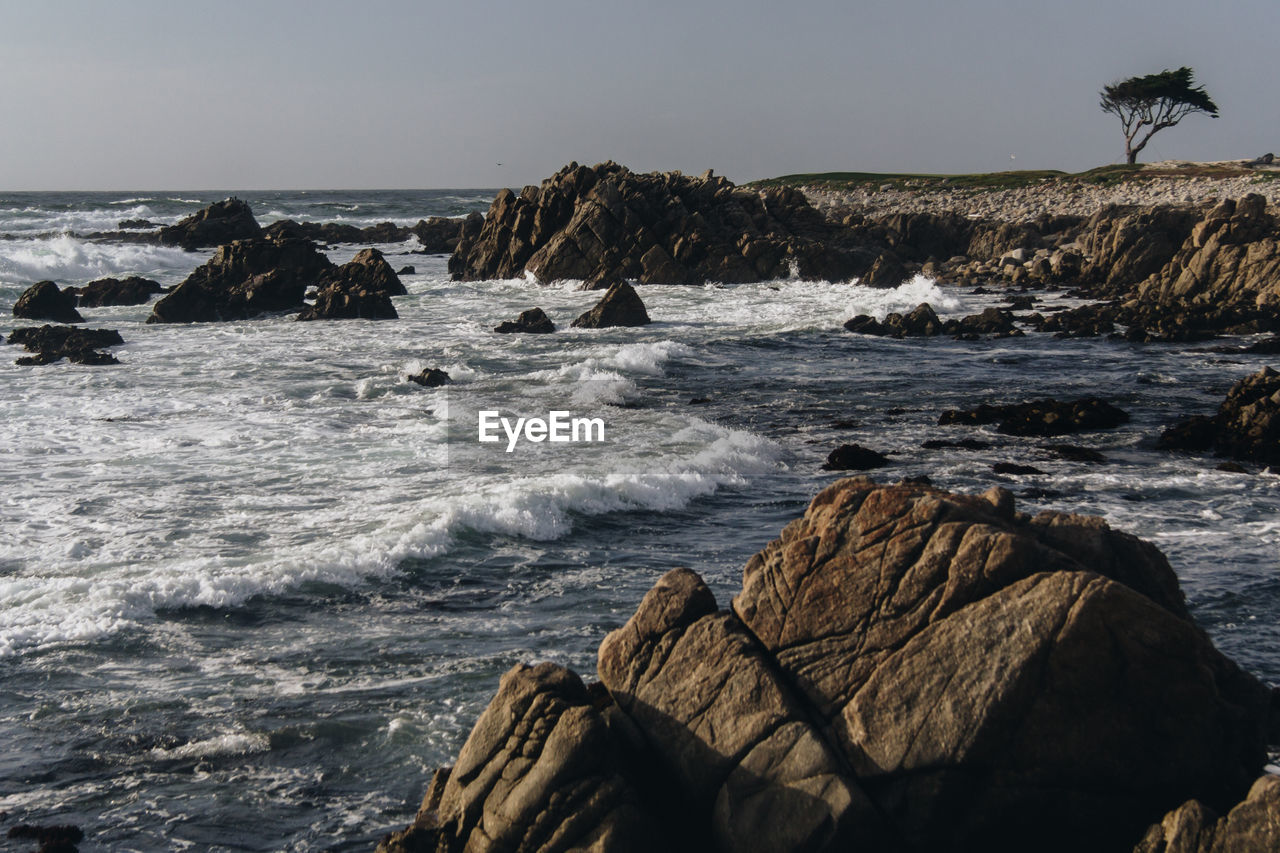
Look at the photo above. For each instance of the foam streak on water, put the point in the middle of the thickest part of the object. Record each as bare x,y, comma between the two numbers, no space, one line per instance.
255,576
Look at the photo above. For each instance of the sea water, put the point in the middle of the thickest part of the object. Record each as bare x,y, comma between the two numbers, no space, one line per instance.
255,583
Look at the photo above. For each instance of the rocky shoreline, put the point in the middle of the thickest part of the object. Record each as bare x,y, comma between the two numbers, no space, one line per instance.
904,669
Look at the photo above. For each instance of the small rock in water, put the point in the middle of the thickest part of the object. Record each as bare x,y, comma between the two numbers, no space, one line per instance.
431,378
534,322
854,457
1014,468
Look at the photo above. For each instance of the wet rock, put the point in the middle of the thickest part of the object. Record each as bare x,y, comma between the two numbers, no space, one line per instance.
367,270
44,301
136,225
656,228
432,377
53,343
1046,417
407,270
1253,826
1085,321
244,279
1075,453
440,235
854,457
533,321
991,321
343,300
620,306
921,322
219,223
1246,426
962,444
103,292
1015,469
52,839
336,232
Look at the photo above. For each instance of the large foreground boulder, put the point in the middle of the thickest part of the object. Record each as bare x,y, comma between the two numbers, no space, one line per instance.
244,279
655,228
1246,426
44,301
219,223
904,669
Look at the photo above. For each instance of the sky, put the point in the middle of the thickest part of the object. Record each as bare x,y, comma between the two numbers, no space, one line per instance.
384,94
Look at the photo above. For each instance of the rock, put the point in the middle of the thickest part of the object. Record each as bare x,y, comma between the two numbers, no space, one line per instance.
244,279
52,839
1015,469
620,306
1085,321
904,668
921,322
407,270
544,769
53,343
886,272
368,270
136,225
133,290
963,444
440,235
533,321
1075,453
656,228
336,232
349,301
729,731
1253,826
1126,245
431,378
44,301
1246,426
988,675
1045,417
991,321
219,223
854,457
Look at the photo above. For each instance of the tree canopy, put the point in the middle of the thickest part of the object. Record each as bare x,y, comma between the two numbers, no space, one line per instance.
1154,102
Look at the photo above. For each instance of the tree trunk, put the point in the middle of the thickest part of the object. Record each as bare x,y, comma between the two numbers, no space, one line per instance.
1132,157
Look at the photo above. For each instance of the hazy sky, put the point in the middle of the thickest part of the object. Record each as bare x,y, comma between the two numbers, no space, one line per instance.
386,93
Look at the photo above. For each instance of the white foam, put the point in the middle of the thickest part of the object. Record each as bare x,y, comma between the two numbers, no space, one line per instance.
69,261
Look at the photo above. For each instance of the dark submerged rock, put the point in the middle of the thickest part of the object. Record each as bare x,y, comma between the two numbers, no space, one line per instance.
44,301
854,457
103,292
53,343
533,321
1045,417
219,223
1015,469
620,306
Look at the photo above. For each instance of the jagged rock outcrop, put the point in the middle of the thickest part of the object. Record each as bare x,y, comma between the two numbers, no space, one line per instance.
244,279
103,292
53,343
440,235
1230,258
44,301
904,669
219,223
1253,826
359,289
1246,426
533,322
337,232
1125,245
656,228
1045,417
620,306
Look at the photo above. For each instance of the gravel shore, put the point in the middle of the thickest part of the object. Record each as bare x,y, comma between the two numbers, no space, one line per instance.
1056,196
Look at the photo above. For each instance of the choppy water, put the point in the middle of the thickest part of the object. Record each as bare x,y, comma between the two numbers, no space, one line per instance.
254,583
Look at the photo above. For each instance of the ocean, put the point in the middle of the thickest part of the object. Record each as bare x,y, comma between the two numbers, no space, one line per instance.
255,583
